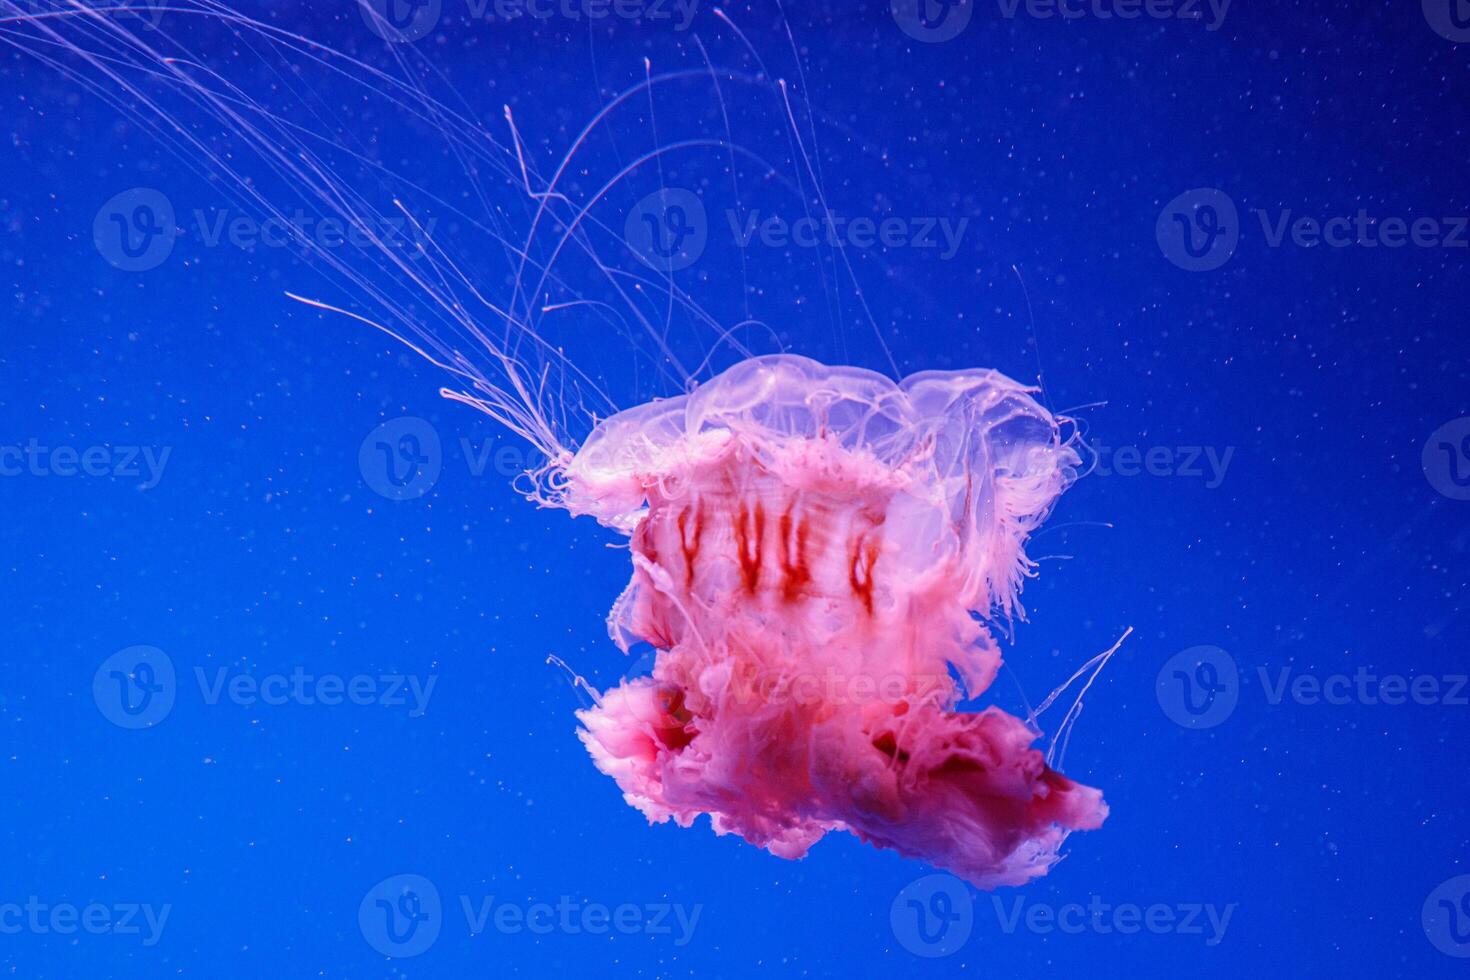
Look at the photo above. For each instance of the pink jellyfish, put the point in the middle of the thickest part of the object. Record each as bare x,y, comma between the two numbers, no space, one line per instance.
808,543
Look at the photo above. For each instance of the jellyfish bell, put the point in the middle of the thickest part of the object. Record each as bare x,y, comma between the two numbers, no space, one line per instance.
808,544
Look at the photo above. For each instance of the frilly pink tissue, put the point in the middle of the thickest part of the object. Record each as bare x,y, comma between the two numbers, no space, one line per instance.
808,543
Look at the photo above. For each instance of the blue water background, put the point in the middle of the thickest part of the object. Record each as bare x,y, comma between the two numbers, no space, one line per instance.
1323,547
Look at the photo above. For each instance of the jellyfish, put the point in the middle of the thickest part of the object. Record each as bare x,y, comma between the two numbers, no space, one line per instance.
808,545
820,554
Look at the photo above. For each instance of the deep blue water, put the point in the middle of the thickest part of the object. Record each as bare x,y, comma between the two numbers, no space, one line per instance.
1283,449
